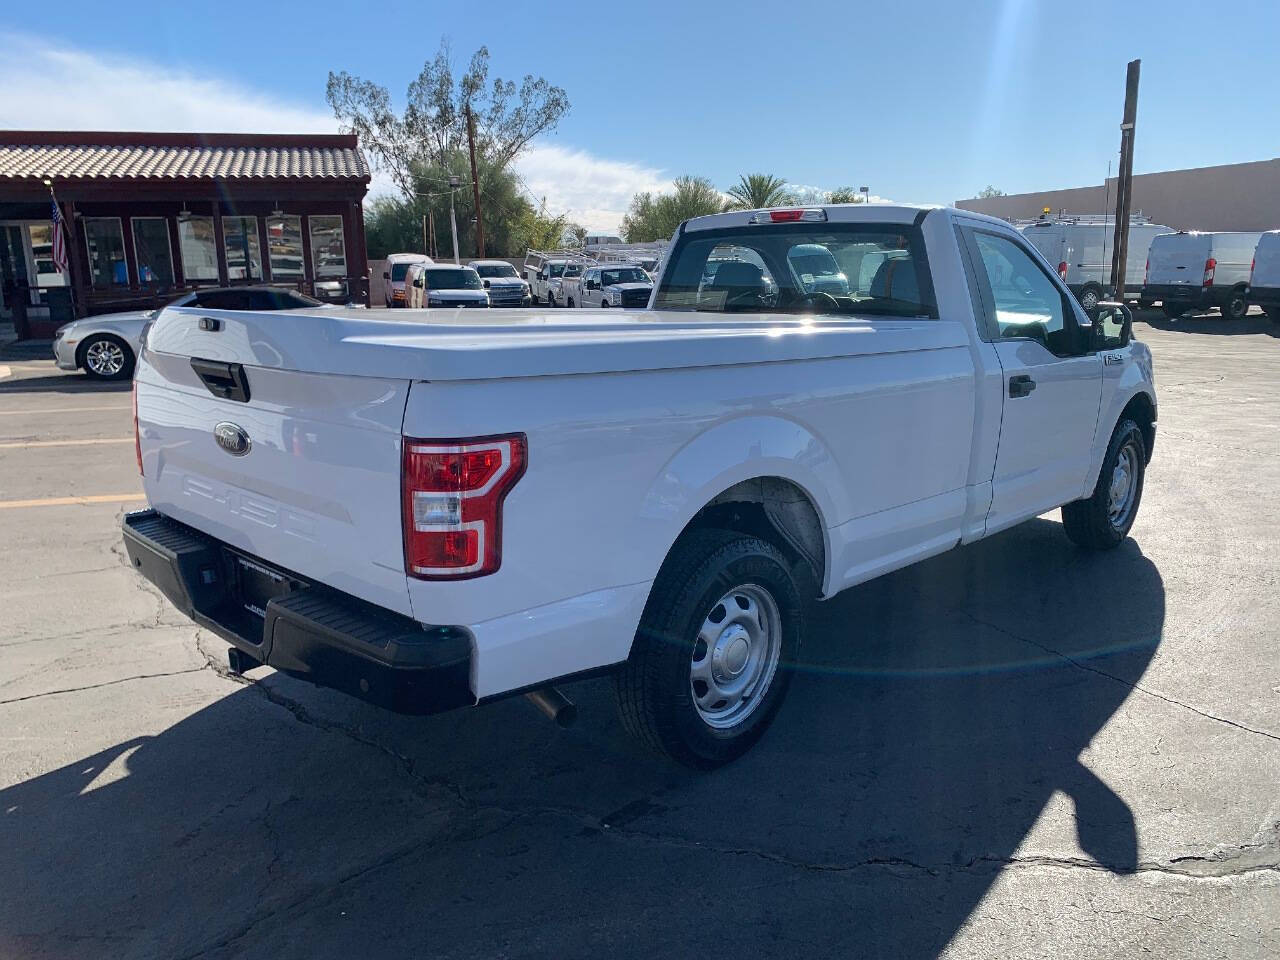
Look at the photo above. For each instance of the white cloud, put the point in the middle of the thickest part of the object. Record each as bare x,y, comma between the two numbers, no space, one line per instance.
48,87
590,190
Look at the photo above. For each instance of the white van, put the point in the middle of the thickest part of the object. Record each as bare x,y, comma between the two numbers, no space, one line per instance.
1080,250
393,272
1264,279
430,285
1197,271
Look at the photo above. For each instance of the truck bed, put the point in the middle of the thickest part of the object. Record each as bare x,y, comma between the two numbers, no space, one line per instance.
441,345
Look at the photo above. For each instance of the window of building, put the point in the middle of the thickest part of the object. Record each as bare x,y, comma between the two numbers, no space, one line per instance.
104,242
328,252
244,255
284,247
151,250
47,274
199,250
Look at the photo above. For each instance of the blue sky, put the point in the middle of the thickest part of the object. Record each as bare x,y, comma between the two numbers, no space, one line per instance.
924,101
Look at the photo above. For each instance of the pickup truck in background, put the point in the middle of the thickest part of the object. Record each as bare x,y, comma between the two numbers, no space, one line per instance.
442,513
543,272
607,285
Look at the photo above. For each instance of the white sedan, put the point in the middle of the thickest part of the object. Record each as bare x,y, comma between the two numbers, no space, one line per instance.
105,346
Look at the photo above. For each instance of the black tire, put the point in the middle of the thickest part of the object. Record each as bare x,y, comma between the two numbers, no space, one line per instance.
1089,523
102,345
571,303
1172,311
655,688
1236,307
1090,297
604,303
1273,313
1145,304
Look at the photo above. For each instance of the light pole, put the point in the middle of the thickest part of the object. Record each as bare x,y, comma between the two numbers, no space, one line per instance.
454,183
866,194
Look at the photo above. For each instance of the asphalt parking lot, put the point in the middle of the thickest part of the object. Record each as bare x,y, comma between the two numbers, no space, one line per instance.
1014,750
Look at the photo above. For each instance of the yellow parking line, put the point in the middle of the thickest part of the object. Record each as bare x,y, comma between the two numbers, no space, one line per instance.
70,501
23,413
63,443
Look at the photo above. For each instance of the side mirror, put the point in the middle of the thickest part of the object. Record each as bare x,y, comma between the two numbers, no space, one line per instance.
1112,326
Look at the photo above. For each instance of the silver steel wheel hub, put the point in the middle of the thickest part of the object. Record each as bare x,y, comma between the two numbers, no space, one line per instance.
1123,486
104,357
735,656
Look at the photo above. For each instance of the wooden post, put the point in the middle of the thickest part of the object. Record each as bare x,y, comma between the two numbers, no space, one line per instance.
475,181
1124,181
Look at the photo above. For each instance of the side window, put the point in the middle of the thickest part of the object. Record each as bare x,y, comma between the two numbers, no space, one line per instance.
220,300
1026,302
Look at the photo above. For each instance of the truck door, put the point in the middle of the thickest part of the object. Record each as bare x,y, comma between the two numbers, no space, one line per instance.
1052,380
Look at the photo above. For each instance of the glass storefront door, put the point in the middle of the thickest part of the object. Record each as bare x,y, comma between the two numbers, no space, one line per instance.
26,258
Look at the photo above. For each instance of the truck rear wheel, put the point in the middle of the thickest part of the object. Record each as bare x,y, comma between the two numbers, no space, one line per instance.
713,656
1102,520
1090,297
1273,313
1172,310
1236,307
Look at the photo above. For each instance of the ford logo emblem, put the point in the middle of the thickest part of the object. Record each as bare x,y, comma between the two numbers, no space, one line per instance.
232,438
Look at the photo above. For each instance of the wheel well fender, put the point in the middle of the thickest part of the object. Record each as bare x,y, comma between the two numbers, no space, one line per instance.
788,474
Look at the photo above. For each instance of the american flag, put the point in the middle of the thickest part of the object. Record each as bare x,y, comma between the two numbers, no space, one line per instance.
59,238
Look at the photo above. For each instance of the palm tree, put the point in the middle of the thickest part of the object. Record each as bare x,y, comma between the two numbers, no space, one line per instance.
754,191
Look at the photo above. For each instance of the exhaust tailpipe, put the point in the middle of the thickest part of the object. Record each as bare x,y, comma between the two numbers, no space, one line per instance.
555,705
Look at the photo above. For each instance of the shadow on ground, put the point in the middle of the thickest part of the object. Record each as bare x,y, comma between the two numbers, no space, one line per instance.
64,383
1212,323
938,711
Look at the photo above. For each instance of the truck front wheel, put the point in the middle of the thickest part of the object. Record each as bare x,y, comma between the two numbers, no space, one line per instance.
713,656
1102,520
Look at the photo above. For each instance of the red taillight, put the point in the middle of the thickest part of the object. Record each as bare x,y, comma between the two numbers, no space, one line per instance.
1146,273
1252,263
137,440
1062,271
452,500
1209,266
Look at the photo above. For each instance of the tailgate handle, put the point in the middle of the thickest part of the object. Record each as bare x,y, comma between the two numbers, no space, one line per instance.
225,380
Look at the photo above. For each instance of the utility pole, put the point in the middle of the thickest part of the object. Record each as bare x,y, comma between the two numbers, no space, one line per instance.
453,218
431,234
1124,180
475,181
426,248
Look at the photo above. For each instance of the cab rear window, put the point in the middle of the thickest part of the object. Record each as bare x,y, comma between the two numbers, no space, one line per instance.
842,269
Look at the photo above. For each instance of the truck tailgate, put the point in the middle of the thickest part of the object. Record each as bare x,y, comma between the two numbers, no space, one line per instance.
317,491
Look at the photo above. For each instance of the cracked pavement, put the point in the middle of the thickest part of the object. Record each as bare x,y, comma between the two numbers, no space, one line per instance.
1015,749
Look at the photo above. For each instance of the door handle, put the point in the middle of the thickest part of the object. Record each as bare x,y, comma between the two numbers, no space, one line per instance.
1021,385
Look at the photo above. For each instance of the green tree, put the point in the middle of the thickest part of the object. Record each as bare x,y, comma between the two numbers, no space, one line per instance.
512,222
844,195
656,216
431,131
755,191
987,192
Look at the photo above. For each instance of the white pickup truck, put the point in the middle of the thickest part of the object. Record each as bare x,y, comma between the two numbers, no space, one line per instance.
607,285
482,503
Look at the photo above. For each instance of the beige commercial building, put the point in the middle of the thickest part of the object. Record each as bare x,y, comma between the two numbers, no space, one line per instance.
1237,196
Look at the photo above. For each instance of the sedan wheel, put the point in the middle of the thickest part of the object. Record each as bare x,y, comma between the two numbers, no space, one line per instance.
107,358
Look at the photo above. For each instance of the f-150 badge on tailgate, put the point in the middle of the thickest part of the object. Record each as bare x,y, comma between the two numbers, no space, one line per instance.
232,438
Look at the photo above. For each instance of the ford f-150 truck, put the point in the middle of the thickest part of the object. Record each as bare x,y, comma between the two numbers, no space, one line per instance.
607,285
480,503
